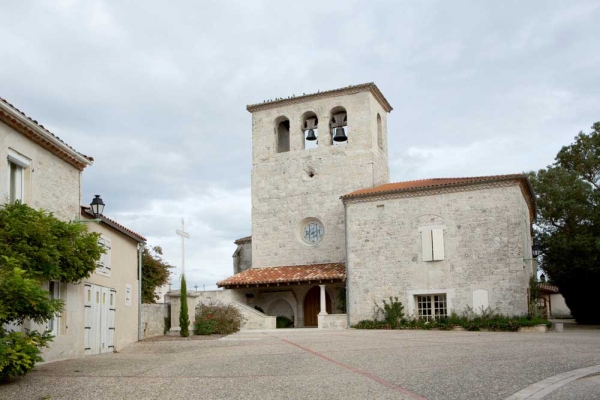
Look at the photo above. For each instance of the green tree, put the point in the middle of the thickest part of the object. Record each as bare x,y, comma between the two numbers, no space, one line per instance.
568,224
184,318
36,247
155,272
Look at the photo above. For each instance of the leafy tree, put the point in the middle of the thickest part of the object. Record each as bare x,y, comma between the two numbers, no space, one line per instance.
568,225
184,318
36,247
155,272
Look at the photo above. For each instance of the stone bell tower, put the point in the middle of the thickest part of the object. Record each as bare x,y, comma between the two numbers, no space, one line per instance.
307,152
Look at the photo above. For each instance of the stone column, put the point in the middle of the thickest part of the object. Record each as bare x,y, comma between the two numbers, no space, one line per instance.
325,138
323,303
192,300
296,134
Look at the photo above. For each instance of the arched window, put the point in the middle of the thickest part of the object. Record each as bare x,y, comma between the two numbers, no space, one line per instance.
379,132
310,130
339,125
283,134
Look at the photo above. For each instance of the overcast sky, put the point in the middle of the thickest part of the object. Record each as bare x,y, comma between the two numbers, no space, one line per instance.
156,93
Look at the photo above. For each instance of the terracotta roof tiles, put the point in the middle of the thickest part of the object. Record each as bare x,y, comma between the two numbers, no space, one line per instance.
243,240
114,224
287,274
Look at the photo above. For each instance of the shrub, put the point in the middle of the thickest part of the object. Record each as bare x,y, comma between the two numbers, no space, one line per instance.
217,318
392,312
19,352
284,322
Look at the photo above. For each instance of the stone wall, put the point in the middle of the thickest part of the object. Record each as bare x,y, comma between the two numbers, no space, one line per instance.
50,182
153,319
333,321
486,242
242,258
303,183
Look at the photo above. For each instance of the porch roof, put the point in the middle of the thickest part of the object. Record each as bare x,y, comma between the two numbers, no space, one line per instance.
276,276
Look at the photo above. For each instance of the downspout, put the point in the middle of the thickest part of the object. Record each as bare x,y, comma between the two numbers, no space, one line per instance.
140,247
347,264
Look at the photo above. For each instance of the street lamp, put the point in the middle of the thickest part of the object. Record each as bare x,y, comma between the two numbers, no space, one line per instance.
536,250
97,206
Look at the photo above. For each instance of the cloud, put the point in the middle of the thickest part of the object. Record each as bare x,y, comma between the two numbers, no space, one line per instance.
157,94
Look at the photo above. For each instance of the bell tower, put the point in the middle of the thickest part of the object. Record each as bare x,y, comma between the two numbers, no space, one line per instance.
307,151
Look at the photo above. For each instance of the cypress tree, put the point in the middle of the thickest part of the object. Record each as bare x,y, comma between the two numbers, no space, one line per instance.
184,319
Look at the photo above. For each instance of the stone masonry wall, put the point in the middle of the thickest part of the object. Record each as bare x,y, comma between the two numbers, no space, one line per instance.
153,319
242,258
50,182
486,239
284,193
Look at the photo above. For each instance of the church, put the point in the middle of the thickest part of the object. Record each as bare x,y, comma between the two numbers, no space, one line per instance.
331,236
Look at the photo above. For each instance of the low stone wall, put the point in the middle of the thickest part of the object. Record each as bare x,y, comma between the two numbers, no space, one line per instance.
333,321
534,329
153,319
255,319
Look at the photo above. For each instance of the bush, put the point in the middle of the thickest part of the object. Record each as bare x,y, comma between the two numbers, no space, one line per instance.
392,312
488,319
284,322
217,318
19,352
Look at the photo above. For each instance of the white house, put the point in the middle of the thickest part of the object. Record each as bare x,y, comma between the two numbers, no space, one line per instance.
100,313
325,217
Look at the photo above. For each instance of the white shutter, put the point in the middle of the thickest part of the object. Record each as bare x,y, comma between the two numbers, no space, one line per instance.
112,309
107,258
128,291
426,245
87,320
438,244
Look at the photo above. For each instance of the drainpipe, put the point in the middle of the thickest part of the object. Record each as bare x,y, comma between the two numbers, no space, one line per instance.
347,264
140,248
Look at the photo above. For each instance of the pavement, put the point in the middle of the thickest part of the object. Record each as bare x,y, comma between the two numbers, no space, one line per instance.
308,363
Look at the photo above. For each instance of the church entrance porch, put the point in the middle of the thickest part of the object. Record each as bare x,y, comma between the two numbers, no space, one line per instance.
308,295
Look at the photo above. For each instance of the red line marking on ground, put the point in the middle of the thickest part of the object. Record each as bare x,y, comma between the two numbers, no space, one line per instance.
355,370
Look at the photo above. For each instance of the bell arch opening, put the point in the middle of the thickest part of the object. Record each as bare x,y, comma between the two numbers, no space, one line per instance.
310,130
282,134
379,132
338,124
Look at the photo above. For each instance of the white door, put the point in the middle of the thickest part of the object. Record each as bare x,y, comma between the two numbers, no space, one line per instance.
99,317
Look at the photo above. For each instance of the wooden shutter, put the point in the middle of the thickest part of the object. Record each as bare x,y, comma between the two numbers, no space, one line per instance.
107,263
426,245
87,320
438,244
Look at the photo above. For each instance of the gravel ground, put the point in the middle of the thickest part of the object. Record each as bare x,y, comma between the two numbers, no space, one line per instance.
308,363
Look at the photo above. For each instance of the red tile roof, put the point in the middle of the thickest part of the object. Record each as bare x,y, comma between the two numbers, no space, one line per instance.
243,240
438,183
85,211
287,274
424,184
10,115
544,287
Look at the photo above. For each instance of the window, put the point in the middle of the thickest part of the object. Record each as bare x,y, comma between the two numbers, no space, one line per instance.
431,306
379,132
104,263
54,289
17,164
128,295
432,243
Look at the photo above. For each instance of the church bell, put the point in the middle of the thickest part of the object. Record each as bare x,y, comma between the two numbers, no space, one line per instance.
340,135
311,135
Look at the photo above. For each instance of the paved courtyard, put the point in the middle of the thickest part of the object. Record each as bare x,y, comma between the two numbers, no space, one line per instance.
347,364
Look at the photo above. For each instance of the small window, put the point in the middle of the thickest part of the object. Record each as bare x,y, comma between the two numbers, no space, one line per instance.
128,295
379,132
432,244
104,264
54,289
17,164
431,306
283,136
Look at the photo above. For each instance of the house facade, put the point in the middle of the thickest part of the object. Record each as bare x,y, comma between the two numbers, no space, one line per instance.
326,218
39,169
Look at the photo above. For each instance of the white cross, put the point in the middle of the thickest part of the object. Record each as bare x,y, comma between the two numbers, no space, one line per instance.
184,235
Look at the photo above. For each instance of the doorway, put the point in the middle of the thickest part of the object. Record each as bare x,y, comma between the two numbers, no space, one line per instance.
99,319
312,306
